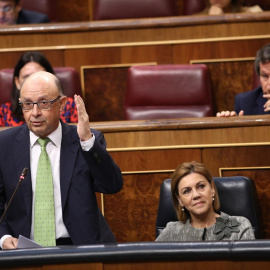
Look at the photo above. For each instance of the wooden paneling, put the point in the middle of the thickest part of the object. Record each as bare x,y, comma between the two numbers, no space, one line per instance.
157,265
225,81
211,50
153,159
222,42
9,59
131,214
161,54
73,266
105,92
147,152
96,56
253,162
202,265
137,202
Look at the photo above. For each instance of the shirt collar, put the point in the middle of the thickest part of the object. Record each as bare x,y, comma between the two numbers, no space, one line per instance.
55,137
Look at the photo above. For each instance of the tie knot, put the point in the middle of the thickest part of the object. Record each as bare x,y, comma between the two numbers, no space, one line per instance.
43,142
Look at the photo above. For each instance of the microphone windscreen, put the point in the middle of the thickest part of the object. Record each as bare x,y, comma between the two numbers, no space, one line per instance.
24,172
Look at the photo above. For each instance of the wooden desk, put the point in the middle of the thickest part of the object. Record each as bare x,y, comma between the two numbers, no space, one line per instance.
227,44
202,255
148,152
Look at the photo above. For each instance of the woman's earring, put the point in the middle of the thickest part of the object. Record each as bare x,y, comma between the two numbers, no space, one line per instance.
213,199
183,208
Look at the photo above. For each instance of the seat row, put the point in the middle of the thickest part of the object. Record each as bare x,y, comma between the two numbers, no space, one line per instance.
122,9
153,91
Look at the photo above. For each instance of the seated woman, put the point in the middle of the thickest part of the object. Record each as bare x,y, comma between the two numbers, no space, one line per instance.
218,7
30,62
196,202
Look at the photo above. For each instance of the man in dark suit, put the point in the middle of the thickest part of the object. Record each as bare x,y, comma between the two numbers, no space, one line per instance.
257,101
80,165
11,13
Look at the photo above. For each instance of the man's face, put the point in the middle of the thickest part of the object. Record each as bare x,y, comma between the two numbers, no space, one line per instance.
8,12
41,87
265,77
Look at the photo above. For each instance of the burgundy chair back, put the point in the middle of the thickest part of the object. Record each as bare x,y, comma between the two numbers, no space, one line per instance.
68,77
70,80
6,76
168,91
191,7
256,80
127,9
47,7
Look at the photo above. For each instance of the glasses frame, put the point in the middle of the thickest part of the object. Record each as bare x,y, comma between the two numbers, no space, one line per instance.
38,104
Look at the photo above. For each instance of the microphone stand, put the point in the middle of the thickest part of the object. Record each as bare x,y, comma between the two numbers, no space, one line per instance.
22,176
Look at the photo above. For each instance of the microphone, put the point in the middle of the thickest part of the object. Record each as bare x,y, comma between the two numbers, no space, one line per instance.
22,176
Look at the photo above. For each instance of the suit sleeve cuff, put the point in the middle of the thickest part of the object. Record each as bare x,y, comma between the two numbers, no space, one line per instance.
3,239
87,145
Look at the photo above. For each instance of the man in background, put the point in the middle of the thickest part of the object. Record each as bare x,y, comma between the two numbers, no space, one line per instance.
11,13
256,101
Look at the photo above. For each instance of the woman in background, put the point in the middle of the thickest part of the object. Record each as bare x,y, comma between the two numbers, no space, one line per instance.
196,203
29,63
218,7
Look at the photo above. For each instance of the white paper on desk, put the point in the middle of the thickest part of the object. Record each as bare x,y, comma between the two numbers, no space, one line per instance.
24,242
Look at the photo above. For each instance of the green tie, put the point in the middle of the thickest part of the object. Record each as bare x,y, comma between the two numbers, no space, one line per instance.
44,223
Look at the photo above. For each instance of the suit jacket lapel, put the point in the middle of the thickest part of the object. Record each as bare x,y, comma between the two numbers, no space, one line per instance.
21,153
69,149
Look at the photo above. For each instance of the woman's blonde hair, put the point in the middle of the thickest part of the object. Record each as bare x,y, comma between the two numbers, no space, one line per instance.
183,170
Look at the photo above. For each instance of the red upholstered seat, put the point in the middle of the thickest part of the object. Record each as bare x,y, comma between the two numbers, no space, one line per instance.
193,6
125,9
47,7
256,80
6,76
70,80
168,91
68,77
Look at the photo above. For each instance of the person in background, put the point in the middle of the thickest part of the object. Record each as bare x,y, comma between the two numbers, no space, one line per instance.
12,13
256,101
196,203
11,112
79,167
218,7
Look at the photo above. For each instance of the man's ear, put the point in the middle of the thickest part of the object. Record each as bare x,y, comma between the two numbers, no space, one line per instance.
63,101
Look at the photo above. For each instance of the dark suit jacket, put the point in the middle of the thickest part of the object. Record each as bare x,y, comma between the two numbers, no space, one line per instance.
28,16
81,174
250,102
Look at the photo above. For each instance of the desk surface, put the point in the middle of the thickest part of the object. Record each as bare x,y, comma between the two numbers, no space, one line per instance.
142,254
147,153
162,30
227,44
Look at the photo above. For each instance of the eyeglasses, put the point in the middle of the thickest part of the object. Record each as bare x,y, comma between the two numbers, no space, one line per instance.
43,104
7,8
